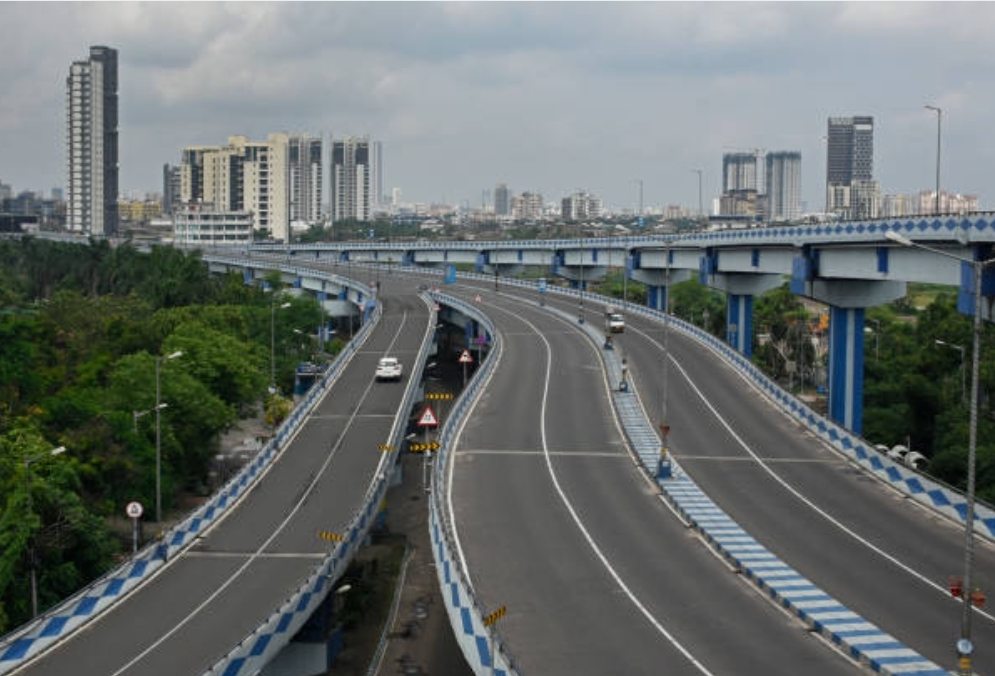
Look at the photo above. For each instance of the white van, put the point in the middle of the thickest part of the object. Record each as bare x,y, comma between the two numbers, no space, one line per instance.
614,321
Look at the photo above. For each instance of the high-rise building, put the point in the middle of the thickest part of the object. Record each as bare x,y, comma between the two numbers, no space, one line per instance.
784,185
502,203
376,172
92,143
850,188
739,172
352,176
244,175
170,188
306,178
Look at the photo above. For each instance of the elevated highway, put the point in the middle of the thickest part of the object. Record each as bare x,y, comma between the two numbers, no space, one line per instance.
558,525
864,543
230,586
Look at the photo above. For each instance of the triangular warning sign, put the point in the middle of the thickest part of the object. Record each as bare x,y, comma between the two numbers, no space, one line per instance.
427,418
465,358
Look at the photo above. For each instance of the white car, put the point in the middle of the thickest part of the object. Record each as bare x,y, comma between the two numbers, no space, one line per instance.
389,368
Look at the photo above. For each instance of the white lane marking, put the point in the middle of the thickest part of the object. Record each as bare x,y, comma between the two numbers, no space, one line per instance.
258,554
765,465
547,454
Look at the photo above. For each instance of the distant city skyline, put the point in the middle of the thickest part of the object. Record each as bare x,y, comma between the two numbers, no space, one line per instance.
619,101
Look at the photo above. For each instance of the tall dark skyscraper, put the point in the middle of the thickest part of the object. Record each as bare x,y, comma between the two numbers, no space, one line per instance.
850,187
92,144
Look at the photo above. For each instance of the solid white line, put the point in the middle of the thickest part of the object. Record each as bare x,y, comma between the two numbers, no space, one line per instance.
259,552
547,454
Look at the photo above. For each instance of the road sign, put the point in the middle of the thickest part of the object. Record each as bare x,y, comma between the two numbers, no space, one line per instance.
477,298
427,418
465,358
134,510
421,448
386,447
495,616
331,537
439,395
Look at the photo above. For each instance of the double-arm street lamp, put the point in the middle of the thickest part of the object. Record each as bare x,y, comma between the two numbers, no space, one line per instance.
964,645
31,551
158,434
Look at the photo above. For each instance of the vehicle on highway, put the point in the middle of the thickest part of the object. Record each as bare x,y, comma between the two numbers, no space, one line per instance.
389,368
614,321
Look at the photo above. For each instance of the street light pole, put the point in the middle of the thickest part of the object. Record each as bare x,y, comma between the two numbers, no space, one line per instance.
939,117
31,550
700,207
964,645
272,345
158,435
963,368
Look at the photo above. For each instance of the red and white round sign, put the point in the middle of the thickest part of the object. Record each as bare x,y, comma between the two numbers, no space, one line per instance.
134,510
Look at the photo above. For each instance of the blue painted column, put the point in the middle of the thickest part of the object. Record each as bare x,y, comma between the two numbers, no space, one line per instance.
656,297
739,323
846,367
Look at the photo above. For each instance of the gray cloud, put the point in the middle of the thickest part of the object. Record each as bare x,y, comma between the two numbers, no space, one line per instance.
544,96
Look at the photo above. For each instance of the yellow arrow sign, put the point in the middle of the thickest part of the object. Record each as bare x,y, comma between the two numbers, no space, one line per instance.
332,537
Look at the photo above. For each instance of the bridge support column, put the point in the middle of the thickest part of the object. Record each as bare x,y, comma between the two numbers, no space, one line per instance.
740,289
656,297
739,323
846,367
847,299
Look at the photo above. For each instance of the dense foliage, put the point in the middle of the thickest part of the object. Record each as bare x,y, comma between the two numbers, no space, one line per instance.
82,329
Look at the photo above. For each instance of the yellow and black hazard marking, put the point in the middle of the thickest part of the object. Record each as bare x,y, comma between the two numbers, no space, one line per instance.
495,616
385,447
421,448
439,395
330,536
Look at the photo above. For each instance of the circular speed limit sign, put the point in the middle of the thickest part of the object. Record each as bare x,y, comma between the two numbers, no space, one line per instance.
134,510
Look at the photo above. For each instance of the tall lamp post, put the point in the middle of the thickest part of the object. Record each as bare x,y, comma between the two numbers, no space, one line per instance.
963,368
700,206
964,645
939,117
272,345
31,552
158,435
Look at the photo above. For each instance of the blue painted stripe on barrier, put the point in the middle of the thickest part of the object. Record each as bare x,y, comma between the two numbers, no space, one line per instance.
483,650
259,647
86,606
17,650
54,627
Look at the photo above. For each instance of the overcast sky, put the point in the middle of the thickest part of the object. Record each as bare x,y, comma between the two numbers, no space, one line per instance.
550,97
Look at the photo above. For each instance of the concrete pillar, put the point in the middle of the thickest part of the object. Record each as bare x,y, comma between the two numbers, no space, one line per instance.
739,323
846,367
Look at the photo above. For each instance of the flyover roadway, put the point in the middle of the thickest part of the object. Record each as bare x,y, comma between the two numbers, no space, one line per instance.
210,597
881,555
558,524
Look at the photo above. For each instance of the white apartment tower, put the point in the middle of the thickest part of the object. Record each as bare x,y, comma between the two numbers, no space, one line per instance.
92,144
784,185
352,178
